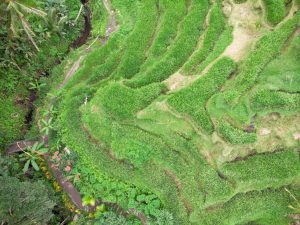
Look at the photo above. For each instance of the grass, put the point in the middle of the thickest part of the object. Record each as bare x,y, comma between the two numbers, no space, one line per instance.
12,121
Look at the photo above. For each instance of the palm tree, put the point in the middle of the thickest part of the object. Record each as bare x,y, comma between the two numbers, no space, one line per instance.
15,12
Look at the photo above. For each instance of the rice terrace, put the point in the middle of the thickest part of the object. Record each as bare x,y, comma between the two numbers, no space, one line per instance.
167,112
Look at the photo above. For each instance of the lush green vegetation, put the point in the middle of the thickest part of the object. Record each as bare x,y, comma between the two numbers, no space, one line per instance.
22,61
167,119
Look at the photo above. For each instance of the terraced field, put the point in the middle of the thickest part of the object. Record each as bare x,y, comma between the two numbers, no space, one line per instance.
192,106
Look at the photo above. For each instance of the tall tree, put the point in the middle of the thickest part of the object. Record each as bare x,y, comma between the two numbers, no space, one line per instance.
24,203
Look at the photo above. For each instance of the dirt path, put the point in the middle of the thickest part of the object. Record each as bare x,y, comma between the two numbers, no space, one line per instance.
112,25
18,146
71,72
244,19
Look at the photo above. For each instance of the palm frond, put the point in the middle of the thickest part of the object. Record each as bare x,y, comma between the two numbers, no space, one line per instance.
14,24
31,10
29,33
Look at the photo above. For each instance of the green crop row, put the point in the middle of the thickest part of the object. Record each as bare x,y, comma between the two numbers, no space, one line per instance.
122,102
181,49
192,99
138,146
263,171
235,135
258,207
99,14
275,10
221,44
103,71
268,47
277,77
215,28
173,14
138,41
103,56
264,100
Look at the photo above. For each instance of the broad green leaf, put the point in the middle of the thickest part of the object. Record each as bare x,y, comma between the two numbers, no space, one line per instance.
34,147
35,166
43,150
26,166
40,145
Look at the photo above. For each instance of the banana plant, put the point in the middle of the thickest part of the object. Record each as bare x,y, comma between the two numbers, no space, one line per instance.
31,154
35,85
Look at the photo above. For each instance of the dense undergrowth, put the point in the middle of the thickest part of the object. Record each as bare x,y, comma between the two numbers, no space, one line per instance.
163,121
23,69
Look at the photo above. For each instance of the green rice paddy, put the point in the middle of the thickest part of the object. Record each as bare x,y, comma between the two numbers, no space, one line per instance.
172,107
